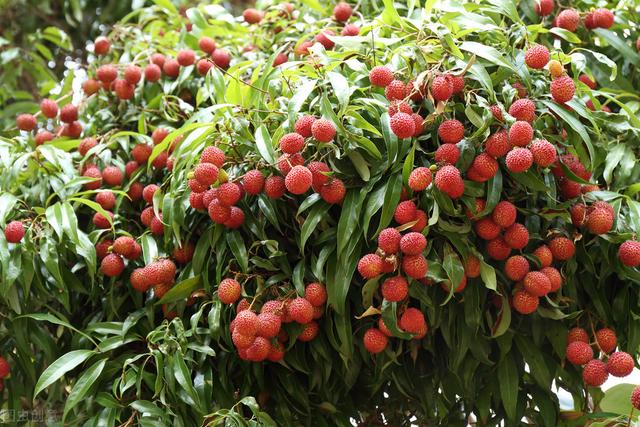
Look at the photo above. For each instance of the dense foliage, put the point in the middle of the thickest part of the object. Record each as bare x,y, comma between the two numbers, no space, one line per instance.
379,213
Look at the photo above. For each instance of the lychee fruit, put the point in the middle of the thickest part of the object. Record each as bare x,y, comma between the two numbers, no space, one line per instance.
562,248
449,181
402,125
14,231
441,88
413,243
519,159
112,265
370,266
405,212
420,178
375,341
524,303
629,253
498,145
389,240
563,89
451,131
620,364
380,76
415,266
579,353
516,268
395,289
520,134
607,339
323,130
595,373
537,56
568,19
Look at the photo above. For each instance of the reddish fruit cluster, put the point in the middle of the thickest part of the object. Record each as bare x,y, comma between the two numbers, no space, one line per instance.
158,274
595,370
261,336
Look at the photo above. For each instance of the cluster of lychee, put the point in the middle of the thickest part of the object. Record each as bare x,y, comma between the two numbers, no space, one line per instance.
261,336
106,76
569,19
401,255
569,188
124,247
68,115
598,218
220,202
342,13
596,370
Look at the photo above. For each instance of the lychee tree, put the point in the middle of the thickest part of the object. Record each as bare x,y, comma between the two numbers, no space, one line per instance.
329,214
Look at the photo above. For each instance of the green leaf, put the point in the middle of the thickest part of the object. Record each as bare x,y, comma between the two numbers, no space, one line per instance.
508,382
83,385
489,53
236,244
60,367
617,399
316,214
181,290
264,145
575,124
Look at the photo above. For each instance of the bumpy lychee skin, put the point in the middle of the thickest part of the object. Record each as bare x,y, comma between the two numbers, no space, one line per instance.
291,143
504,214
112,265
498,249
405,212
218,212
124,245
543,7
479,207
441,88
595,373
333,191
420,178
287,161
485,166
498,145
496,112
14,232
316,294
300,310
43,136
562,248
568,19
396,107
524,303
487,229
229,291
520,134
537,283
395,289
207,44
415,266
606,339
229,194
563,89
516,236
413,243
554,276
212,155
380,76
396,90
448,153
451,131
544,153
303,125
69,113
635,394
603,18
375,341
412,321
629,253
620,364
253,182
600,221
299,180
577,334
516,268
449,181
323,130
579,353
206,173
519,160
389,240
402,125
246,323
350,30
101,221
370,266
274,187
537,56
